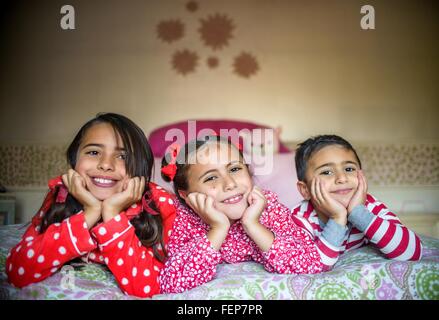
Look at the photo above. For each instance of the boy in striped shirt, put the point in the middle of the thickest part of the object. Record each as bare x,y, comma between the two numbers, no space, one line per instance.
338,212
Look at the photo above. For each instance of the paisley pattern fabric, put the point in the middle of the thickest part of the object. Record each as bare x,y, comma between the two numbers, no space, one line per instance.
359,274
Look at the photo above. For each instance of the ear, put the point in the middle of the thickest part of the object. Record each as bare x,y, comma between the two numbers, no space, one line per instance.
303,189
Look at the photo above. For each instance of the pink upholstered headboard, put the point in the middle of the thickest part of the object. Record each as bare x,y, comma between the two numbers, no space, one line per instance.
159,144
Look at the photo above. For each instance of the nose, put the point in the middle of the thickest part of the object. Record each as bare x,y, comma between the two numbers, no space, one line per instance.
229,183
106,163
341,177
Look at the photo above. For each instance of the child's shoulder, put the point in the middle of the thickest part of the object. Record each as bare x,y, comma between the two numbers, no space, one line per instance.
164,200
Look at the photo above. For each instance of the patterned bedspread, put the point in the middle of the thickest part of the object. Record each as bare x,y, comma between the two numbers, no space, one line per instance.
360,274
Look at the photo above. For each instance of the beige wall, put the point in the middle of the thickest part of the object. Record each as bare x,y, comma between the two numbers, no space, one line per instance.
319,71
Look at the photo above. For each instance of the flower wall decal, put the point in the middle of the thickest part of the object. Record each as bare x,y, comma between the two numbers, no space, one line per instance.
245,65
192,6
184,61
170,30
216,31
212,62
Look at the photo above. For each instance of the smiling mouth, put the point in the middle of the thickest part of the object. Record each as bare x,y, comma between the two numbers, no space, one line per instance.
234,199
103,182
342,191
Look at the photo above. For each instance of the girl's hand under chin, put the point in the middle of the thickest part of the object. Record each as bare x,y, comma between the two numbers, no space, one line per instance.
131,193
77,188
256,205
204,206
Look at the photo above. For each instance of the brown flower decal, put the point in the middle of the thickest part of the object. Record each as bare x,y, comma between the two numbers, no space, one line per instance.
216,31
245,65
192,6
184,61
170,30
212,62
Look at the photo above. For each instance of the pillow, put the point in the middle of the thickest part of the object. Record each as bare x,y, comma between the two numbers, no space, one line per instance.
281,180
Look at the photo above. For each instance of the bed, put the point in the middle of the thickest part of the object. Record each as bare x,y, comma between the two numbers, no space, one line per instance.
360,274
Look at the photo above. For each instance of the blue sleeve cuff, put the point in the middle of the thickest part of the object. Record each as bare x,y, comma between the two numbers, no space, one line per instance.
360,217
334,233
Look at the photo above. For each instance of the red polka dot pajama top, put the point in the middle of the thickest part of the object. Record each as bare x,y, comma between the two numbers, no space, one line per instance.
192,260
114,243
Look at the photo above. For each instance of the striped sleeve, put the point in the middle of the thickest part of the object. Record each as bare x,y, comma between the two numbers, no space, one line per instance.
389,235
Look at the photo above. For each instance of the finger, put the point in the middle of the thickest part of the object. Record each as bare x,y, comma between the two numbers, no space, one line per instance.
65,180
142,187
191,201
201,201
209,203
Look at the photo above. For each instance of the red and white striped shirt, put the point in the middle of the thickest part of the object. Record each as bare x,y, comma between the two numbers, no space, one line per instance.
192,259
385,231
114,243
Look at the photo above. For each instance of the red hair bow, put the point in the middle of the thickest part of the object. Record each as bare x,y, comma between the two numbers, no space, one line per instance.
170,169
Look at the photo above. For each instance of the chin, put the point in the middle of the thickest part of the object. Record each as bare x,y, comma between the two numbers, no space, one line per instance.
234,213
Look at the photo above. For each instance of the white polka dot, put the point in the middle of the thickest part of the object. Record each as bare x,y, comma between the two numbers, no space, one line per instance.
56,236
158,187
102,231
29,243
37,275
169,233
29,239
62,250
162,199
40,258
30,253
139,244
134,273
18,248
156,268
146,273
57,224
92,256
37,228
151,254
21,271
41,213
117,218
124,281
10,267
101,258
130,252
85,225
106,260
53,270
147,289
55,263
91,241
120,262
170,201
120,245
134,206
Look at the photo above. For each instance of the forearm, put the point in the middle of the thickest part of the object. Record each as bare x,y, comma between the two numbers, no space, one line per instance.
260,235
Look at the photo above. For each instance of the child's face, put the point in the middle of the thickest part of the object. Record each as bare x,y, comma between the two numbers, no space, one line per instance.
101,161
337,167
227,181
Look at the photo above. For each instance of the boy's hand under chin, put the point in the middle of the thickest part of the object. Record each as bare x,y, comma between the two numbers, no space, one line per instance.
132,192
77,188
360,194
327,205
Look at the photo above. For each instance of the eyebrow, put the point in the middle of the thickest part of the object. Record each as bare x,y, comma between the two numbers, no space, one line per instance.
101,146
329,164
213,170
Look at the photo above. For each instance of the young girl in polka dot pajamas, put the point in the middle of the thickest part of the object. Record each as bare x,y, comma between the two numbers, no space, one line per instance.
103,210
223,217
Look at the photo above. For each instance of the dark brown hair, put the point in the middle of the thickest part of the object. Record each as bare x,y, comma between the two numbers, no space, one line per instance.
139,162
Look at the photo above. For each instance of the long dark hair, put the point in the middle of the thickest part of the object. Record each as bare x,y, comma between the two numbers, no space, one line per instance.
139,162
180,181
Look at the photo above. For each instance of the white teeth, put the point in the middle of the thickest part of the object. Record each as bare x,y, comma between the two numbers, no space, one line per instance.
232,199
104,181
